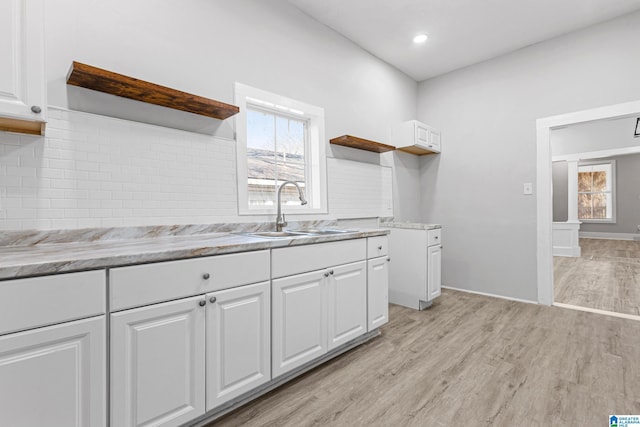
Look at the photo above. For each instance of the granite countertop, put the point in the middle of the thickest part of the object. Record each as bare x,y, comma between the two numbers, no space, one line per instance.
411,225
47,258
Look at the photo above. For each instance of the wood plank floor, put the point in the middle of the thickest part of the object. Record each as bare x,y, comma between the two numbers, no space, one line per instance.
605,277
469,360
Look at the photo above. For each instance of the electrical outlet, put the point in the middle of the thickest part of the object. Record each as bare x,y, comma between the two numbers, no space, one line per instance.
528,188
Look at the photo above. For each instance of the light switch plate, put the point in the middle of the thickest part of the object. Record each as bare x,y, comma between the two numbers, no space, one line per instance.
528,188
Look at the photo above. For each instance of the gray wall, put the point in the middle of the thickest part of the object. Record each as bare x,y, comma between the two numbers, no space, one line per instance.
627,198
594,136
487,114
560,191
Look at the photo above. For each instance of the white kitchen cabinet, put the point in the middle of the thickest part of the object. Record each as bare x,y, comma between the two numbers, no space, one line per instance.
434,271
347,307
417,138
377,292
54,376
299,319
22,78
238,341
158,364
415,273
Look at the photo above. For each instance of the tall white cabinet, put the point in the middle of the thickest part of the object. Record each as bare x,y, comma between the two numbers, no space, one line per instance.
22,78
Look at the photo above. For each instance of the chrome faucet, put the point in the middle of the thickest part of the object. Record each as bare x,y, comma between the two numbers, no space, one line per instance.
280,222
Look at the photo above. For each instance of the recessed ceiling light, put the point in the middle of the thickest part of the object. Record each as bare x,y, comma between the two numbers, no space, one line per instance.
420,38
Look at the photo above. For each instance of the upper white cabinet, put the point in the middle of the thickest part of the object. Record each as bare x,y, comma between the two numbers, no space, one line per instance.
22,78
415,137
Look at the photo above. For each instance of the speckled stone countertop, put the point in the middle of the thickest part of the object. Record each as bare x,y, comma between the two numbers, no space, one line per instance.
411,225
29,256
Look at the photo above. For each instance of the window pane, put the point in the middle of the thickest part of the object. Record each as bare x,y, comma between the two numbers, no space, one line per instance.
275,153
290,146
599,181
599,203
584,206
261,158
584,181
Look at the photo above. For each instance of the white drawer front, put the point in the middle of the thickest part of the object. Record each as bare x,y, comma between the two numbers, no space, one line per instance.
300,259
377,246
38,301
434,237
150,283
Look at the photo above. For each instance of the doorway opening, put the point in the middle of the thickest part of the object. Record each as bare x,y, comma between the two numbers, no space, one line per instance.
545,127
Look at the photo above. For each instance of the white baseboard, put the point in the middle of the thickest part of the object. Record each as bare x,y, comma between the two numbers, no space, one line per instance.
490,295
596,311
568,251
609,236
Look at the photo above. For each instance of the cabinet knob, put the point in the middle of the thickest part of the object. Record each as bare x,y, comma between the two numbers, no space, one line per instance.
330,271
212,300
202,303
206,276
379,248
388,258
36,109
437,237
326,274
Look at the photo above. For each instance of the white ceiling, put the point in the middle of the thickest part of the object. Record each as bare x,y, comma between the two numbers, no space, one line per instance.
461,32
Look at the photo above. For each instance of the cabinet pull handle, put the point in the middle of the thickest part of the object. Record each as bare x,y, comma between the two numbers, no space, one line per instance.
326,274
202,303
206,276
379,248
330,271
212,300
388,259
36,109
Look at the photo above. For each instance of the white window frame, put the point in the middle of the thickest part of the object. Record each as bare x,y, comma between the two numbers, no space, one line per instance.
611,220
315,149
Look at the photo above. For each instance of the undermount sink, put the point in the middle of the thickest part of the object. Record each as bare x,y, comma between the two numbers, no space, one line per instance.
276,234
321,231
296,233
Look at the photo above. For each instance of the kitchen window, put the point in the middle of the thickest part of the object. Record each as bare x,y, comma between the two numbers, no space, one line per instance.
279,139
596,191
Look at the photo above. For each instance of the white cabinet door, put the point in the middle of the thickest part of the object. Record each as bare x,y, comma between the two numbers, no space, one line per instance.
54,376
434,140
422,135
238,341
158,364
347,307
299,320
434,271
377,292
22,59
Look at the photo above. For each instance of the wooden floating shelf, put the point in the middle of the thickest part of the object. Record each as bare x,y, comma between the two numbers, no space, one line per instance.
362,144
10,124
94,78
419,151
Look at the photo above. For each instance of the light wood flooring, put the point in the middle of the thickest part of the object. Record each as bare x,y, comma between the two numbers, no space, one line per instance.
605,277
469,360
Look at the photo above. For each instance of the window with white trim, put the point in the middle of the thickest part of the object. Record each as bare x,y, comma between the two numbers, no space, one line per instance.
279,139
596,191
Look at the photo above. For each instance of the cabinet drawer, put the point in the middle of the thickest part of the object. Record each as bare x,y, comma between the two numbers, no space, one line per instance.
300,259
38,301
434,237
377,246
150,283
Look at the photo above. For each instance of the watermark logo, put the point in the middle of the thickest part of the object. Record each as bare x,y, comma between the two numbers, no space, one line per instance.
624,420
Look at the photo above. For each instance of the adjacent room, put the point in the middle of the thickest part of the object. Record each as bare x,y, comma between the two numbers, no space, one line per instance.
302,213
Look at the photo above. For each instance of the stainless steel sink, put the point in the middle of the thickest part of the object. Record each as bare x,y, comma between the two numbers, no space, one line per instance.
323,231
277,234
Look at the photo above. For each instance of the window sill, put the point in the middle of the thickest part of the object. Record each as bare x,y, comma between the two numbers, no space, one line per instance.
597,221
